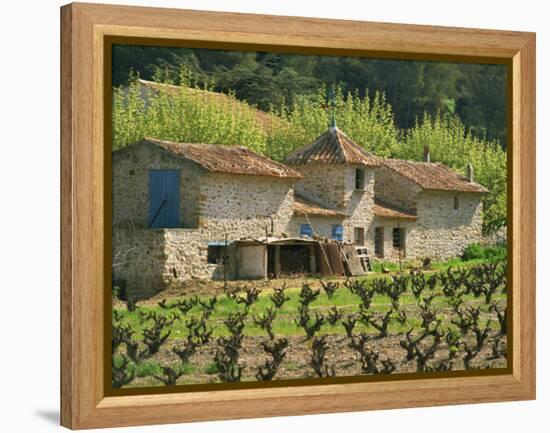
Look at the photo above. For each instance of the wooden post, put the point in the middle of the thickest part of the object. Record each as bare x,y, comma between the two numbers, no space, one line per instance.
265,261
225,260
277,259
312,261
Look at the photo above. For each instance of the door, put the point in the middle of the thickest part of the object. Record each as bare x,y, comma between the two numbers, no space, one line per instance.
164,198
359,236
379,241
252,261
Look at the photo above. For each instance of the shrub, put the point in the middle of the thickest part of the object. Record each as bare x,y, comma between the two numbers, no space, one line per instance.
473,252
477,252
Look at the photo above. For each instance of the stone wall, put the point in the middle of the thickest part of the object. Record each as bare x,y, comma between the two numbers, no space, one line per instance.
327,183
498,237
441,231
138,258
359,204
390,253
151,260
131,167
395,189
242,205
334,186
322,226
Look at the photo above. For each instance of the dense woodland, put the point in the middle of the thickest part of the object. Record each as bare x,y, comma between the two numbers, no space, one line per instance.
475,93
392,108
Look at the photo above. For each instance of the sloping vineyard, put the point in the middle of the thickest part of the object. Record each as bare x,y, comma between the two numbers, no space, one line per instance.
418,322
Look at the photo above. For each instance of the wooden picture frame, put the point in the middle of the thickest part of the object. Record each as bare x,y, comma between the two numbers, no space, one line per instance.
86,32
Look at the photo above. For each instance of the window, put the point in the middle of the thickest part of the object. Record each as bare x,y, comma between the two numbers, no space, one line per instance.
359,236
306,230
360,179
337,232
398,238
455,205
379,241
164,193
216,254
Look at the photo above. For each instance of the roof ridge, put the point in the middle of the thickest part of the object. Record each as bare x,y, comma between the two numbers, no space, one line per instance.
332,147
434,176
232,159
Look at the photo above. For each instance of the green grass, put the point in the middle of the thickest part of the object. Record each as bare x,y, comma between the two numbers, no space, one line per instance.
212,368
284,323
152,368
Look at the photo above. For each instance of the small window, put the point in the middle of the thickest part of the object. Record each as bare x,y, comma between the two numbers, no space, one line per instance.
306,230
455,204
360,179
398,238
337,232
359,236
379,241
216,254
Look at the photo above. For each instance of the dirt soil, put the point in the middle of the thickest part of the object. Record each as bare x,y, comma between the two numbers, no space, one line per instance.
296,364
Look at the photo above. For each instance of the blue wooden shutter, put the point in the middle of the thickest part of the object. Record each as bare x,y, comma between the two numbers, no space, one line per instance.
306,230
164,191
337,232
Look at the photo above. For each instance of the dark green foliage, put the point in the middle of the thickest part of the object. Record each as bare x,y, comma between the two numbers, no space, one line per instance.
477,93
169,375
391,107
122,372
477,251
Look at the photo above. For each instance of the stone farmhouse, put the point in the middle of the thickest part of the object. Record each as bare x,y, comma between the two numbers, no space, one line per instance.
196,211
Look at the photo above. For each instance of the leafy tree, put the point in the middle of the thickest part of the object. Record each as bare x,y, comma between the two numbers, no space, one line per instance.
192,112
453,144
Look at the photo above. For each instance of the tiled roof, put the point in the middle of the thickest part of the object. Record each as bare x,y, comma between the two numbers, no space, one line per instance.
433,176
385,210
227,159
305,206
332,147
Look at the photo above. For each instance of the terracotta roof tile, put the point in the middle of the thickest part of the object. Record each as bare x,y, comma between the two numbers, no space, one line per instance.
433,176
332,147
227,159
385,210
305,206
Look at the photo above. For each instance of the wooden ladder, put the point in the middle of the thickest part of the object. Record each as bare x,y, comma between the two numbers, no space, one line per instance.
362,253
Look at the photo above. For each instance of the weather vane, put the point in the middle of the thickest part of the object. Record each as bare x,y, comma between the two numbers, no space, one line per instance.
331,105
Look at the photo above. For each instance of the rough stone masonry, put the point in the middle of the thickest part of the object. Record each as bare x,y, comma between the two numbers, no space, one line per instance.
187,211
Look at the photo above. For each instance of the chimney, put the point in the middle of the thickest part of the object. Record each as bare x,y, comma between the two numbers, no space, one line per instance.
426,153
470,172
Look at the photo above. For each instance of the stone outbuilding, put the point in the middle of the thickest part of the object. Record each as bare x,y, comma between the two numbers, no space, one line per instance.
196,211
